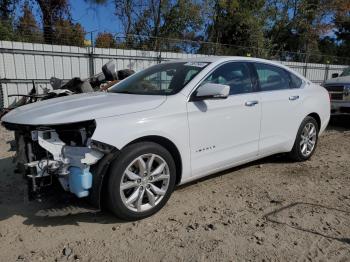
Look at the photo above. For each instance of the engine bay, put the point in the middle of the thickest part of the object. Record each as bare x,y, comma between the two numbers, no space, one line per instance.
62,152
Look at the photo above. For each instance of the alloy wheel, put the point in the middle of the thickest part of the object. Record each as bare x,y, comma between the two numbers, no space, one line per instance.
308,139
144,182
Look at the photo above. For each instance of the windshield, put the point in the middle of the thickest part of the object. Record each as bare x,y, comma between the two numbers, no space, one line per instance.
161,79
346,72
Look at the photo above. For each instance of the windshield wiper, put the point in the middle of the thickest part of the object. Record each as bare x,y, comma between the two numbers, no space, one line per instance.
123,92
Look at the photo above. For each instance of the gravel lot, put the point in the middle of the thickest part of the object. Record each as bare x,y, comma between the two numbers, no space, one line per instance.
270,210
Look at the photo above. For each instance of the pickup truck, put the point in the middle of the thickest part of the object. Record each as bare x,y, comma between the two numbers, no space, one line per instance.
339,90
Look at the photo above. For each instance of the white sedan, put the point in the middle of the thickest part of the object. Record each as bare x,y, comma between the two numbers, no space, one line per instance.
167,125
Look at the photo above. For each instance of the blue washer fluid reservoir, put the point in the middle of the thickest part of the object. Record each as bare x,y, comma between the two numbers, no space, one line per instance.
80,181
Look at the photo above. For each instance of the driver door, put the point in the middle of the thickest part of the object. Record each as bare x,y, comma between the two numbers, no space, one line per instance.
225,132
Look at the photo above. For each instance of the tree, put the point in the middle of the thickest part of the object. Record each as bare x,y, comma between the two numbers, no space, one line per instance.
144,22
125,12
27,28
6,31
52,11
68,33
105,40
6,9
239,24
298,25
328,50
342,31
6,20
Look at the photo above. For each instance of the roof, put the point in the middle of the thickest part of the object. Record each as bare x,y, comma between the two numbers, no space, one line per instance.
212,59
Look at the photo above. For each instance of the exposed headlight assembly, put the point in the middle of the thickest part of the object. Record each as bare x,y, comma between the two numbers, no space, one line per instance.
100,146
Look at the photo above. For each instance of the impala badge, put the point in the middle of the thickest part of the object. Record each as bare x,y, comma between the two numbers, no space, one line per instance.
205,149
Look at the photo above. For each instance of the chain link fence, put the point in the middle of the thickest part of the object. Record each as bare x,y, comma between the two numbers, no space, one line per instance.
28,55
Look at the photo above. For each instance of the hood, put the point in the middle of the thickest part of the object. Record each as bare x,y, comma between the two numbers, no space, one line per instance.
81,107
341,80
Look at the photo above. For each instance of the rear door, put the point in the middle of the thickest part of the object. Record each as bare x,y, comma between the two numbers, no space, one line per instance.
280,108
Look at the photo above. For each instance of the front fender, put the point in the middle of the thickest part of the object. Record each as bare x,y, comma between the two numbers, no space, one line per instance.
120,131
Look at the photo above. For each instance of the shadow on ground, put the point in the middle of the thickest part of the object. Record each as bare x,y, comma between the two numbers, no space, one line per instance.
59,208
312,218
339,123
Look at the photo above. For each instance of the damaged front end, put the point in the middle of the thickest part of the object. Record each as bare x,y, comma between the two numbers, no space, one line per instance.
64,153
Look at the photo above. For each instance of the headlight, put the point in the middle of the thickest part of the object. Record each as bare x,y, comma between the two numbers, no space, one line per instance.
347,90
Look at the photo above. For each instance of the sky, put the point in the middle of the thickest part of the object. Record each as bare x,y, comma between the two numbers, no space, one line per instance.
99,18
95,17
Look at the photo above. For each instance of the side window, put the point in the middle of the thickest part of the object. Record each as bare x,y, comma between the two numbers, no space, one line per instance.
295,81
234,74
272,77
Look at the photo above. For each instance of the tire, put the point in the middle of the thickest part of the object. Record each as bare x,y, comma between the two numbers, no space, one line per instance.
125,201
297,153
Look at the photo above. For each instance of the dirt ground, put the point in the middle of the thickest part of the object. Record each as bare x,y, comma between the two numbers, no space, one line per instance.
270,210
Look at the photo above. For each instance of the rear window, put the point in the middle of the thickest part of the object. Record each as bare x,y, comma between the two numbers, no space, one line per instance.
272,77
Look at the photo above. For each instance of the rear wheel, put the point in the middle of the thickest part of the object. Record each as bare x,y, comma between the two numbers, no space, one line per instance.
141,181
306,140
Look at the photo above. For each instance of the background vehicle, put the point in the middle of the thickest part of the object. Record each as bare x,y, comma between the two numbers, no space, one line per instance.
339,90
169,124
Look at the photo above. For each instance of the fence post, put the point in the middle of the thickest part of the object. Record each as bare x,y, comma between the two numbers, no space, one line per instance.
91,56
326,71
159,57
306,63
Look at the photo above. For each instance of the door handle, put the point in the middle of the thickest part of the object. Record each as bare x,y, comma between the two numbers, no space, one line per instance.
292,98
251,103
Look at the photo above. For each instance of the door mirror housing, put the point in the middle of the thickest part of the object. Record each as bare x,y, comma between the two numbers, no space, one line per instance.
335,75
211,91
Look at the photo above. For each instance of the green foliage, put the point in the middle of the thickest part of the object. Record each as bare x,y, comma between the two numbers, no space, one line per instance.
342,22
238,23
27,28
52,11
6,31
280,29
150,20
299,25
65,32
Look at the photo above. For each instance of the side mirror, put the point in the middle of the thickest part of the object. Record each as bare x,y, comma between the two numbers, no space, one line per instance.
211,91
335,75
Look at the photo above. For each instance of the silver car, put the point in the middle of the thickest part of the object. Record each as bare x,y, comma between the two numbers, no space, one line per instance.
339,91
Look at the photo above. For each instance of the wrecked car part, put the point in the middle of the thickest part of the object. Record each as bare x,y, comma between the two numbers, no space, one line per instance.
63,152
100,170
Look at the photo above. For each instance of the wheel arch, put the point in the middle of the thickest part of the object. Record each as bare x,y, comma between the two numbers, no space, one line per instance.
168,145
317,118
100,170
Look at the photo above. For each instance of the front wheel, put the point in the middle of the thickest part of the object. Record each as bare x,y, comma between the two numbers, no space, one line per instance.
141,181
306,140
